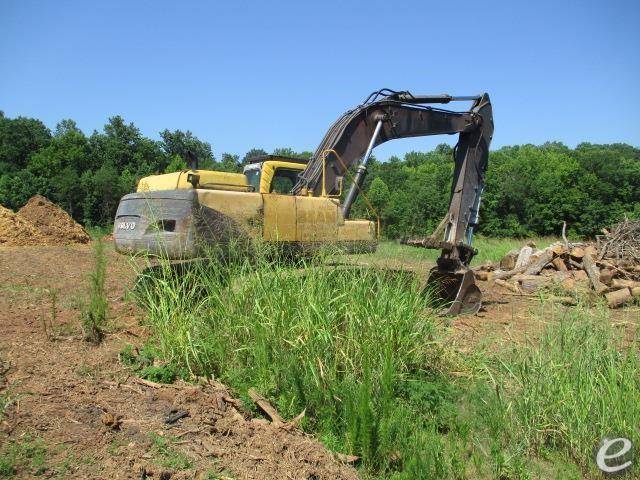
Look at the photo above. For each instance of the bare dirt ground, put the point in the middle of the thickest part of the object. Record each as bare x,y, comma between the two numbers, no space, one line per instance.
76,412
80,409
507,317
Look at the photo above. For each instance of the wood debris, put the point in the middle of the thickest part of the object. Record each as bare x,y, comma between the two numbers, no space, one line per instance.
609,267
272,413
620,242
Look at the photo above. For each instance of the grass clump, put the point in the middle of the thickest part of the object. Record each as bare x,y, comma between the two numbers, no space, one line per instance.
165,455
578,386
355,347
94,313
26,456
542,408
145,363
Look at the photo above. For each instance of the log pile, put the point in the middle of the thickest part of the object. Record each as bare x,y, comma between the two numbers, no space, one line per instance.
609,268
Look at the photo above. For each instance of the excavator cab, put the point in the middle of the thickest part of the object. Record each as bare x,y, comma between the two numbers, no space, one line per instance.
274,173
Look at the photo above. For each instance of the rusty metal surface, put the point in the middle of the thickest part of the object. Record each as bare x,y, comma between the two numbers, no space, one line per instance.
161,223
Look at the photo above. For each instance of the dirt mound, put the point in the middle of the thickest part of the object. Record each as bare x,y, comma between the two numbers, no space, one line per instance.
87,416
54,223
17,231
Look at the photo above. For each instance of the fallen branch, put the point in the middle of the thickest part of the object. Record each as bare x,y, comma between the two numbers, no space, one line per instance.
296,421
174,417
147,383
266,407
508,274
564,235
347,458
507,285
619,297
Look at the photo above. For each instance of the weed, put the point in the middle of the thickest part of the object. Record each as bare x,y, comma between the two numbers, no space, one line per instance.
353,346
222,475
115,445
165,455
88,371
49,325
26,456
146,364
579,385
53,298
97,232
94,314
6,399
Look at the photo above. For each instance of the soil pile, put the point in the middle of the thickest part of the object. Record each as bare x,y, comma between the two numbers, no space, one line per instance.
54,223
16,231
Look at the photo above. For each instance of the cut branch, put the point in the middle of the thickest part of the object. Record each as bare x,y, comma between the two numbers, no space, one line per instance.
266,407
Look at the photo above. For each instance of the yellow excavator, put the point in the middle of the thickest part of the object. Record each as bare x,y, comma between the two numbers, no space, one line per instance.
295,203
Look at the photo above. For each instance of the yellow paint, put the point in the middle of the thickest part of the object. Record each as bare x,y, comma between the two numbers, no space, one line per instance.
357,230
279,218
274,217
317,219
244,208
287,218
209,179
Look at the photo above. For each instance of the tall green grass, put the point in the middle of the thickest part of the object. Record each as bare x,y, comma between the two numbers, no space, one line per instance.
94,311
579,384
354,347
359,349
489,250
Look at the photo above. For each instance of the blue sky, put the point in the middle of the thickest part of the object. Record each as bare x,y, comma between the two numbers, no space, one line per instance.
275,74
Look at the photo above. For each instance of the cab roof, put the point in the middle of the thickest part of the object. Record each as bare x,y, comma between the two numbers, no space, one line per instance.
282,158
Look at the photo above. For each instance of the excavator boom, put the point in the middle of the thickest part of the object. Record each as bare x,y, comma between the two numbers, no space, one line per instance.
386,115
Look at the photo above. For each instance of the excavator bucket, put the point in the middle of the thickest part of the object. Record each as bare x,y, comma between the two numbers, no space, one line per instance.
457,290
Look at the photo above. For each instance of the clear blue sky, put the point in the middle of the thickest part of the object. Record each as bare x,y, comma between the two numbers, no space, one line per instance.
275,74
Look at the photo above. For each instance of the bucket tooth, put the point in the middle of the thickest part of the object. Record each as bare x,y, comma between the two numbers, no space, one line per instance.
457,289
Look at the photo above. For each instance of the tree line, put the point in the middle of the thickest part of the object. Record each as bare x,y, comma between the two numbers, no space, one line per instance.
530,190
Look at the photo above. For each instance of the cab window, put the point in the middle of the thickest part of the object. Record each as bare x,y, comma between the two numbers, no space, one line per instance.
253,178
283,181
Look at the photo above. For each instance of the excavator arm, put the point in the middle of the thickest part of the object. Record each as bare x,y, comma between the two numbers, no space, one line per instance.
386,115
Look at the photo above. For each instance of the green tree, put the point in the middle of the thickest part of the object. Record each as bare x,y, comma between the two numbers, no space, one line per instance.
19,139
289,152
253,153
181,143
122,145
229,163
176,165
